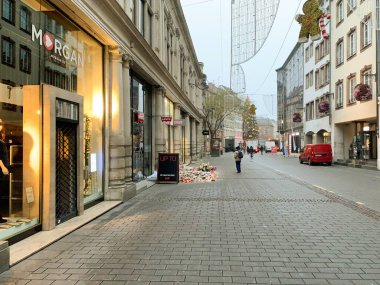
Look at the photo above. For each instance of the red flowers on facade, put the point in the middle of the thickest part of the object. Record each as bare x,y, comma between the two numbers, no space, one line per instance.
362,92
297,118
323,107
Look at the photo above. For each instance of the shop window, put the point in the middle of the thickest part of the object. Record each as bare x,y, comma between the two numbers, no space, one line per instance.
20,147
8,9
7,51
141,120
25,19
78,68
25,59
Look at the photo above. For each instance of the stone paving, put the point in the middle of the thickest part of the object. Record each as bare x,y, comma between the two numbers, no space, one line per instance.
257,227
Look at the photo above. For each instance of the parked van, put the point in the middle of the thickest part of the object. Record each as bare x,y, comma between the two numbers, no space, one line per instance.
316,153
269,145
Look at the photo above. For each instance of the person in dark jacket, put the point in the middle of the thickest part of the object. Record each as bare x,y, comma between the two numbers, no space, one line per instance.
237,159
4,164
251,151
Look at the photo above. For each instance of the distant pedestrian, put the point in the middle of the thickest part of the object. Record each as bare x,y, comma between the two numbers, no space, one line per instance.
261,149
238,155
251,151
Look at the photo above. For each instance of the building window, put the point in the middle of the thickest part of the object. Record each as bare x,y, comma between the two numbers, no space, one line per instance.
351,87
322,76
339,95
366,77
339,52
366,32
352,43
317,54
25,19
7,51
317,83
182,70
327,73
339,11
149,28
351,5
8,9
327,46
132,10
25,59
141,16
311,49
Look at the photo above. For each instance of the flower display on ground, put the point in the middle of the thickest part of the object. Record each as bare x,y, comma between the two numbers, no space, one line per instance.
197,174
362,92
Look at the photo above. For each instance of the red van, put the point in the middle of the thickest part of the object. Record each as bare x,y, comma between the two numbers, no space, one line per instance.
316,153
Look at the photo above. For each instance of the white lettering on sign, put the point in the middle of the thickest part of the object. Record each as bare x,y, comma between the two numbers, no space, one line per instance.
59,48
36,35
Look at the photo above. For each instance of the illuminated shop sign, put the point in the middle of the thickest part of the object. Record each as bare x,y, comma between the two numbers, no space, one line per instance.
56,46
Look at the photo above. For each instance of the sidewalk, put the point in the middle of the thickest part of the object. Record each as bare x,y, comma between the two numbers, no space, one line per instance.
255,227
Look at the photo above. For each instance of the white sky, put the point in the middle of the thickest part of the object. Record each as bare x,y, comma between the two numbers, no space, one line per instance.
210,28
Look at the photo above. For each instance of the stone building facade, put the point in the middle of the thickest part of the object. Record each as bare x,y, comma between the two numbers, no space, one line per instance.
353,58
290,100
90,92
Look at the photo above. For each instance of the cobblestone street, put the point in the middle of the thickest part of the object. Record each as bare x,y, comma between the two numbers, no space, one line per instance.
257,227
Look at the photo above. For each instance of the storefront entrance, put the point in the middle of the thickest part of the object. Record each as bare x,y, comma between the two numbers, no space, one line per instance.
370,145
141,119
66,171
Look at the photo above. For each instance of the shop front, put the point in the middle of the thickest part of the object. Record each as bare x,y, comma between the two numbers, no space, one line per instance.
51,99
364,141
141,112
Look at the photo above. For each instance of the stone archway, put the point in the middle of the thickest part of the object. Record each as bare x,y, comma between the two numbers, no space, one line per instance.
323,136
309,137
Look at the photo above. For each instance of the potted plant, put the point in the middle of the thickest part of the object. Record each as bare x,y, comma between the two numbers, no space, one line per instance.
323,107
362,92
297,118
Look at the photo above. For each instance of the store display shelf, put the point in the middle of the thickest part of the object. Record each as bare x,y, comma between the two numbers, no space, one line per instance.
15,226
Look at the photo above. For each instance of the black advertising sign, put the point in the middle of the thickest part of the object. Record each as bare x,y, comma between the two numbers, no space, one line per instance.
168,168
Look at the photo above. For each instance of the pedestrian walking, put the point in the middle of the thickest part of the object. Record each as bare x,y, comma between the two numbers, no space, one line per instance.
238,155
251,151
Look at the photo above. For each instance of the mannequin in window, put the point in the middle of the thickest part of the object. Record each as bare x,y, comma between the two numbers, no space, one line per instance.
4,163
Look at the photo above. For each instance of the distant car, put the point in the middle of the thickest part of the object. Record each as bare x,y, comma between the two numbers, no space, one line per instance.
316,154
269,145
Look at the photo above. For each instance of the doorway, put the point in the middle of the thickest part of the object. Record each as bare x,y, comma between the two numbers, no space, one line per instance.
66,171
370,145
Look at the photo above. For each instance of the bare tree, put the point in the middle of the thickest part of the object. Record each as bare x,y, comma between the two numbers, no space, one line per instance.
219,103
